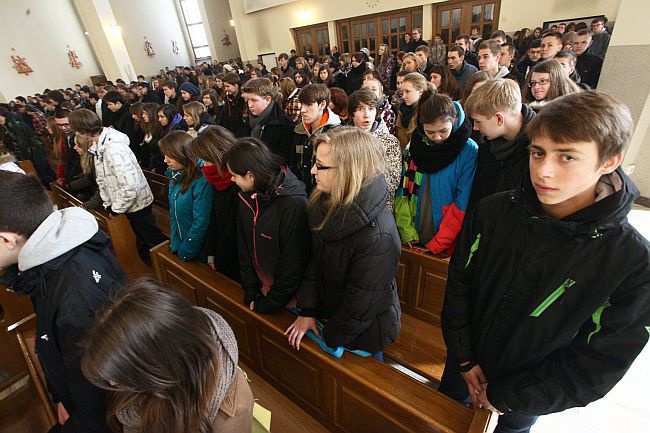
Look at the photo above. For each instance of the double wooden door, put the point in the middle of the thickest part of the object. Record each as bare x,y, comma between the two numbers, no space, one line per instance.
315,38
454,18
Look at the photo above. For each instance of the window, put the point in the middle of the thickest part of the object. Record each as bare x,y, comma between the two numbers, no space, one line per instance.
195,28
314,38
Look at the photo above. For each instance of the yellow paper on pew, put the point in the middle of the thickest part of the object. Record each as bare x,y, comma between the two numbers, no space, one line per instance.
262,416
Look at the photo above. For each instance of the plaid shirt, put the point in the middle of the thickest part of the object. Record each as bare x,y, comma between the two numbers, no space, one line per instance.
38,121
292,107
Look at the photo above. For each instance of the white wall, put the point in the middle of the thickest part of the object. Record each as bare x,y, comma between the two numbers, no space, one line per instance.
159,21
269,30
41,37
517,14
219,15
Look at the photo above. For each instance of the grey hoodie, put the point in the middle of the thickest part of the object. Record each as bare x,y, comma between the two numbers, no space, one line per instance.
59,233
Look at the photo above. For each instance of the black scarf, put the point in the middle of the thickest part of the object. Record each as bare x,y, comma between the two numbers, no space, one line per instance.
430,157
407,112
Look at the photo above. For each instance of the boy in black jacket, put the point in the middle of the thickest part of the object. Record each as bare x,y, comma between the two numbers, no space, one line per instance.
548,298
66,265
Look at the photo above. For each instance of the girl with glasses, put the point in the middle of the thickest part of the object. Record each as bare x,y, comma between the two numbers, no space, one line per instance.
546,81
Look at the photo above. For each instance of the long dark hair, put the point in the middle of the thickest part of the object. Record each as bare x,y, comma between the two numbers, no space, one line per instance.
152,127
433,106
178,145
448,83
159,353
251,154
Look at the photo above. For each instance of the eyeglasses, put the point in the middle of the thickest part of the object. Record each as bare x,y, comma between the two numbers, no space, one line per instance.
540,82
320,167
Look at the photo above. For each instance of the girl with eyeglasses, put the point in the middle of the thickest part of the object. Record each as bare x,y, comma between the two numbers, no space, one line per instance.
355,245
546,81
273,235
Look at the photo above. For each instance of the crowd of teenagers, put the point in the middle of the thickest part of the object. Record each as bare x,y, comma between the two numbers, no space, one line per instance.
304,183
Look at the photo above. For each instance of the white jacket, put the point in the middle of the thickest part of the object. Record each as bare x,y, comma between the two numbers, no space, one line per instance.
121,183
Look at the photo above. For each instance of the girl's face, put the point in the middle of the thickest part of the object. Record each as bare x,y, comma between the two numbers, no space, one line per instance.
364,116
207,101
436,79
135,117
341,64
537,34
145,117
410,94
439,131
381,50
231,89
219,83
374,86
410,65
323,75
188,119
297,78
540,84
407,37
253,74
324,169
300,65
314,72
162,119
78,149
355,62
186,96
245,182
173,164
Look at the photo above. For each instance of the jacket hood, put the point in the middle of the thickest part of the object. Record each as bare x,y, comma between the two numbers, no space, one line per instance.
332,120
615,195
7,157
365,208
61,232
287,184
460,116
206,119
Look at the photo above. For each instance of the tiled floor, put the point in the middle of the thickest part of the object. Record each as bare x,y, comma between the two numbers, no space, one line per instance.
625,409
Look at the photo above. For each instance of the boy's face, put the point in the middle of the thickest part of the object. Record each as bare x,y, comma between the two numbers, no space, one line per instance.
490,127
564,175
550,46
10,245
506,57
312,113
455,61
169,92
581,43
114,106
487,61
534,54
256,103
422,56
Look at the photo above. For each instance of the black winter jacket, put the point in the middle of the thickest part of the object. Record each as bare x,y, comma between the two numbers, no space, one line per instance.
233,114
351,279
497,173
277,132
273,243
354,78
221,238
554,311
67,292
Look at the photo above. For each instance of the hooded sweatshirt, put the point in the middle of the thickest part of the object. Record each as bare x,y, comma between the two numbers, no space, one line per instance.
502,163
273,243
553,310
68,269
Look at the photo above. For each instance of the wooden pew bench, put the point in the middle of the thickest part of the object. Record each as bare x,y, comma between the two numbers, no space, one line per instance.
159,185
349,394
421,281
117,227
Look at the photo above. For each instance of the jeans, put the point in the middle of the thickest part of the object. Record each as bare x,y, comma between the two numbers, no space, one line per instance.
147,233
453,385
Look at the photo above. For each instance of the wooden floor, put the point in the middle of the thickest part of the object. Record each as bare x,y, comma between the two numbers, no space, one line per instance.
22,412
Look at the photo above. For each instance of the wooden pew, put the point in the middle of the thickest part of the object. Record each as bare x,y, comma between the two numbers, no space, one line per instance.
350,394
18,323
421,281
117,227
159,184
28,168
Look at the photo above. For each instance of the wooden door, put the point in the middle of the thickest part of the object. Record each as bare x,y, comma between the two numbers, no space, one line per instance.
454,18
364,34
314,38
393,28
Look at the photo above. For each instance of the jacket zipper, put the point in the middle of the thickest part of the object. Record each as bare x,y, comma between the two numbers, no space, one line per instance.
255,214
552,298
180,233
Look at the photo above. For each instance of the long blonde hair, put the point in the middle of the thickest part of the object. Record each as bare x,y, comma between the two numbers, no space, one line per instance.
358,157
86,159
